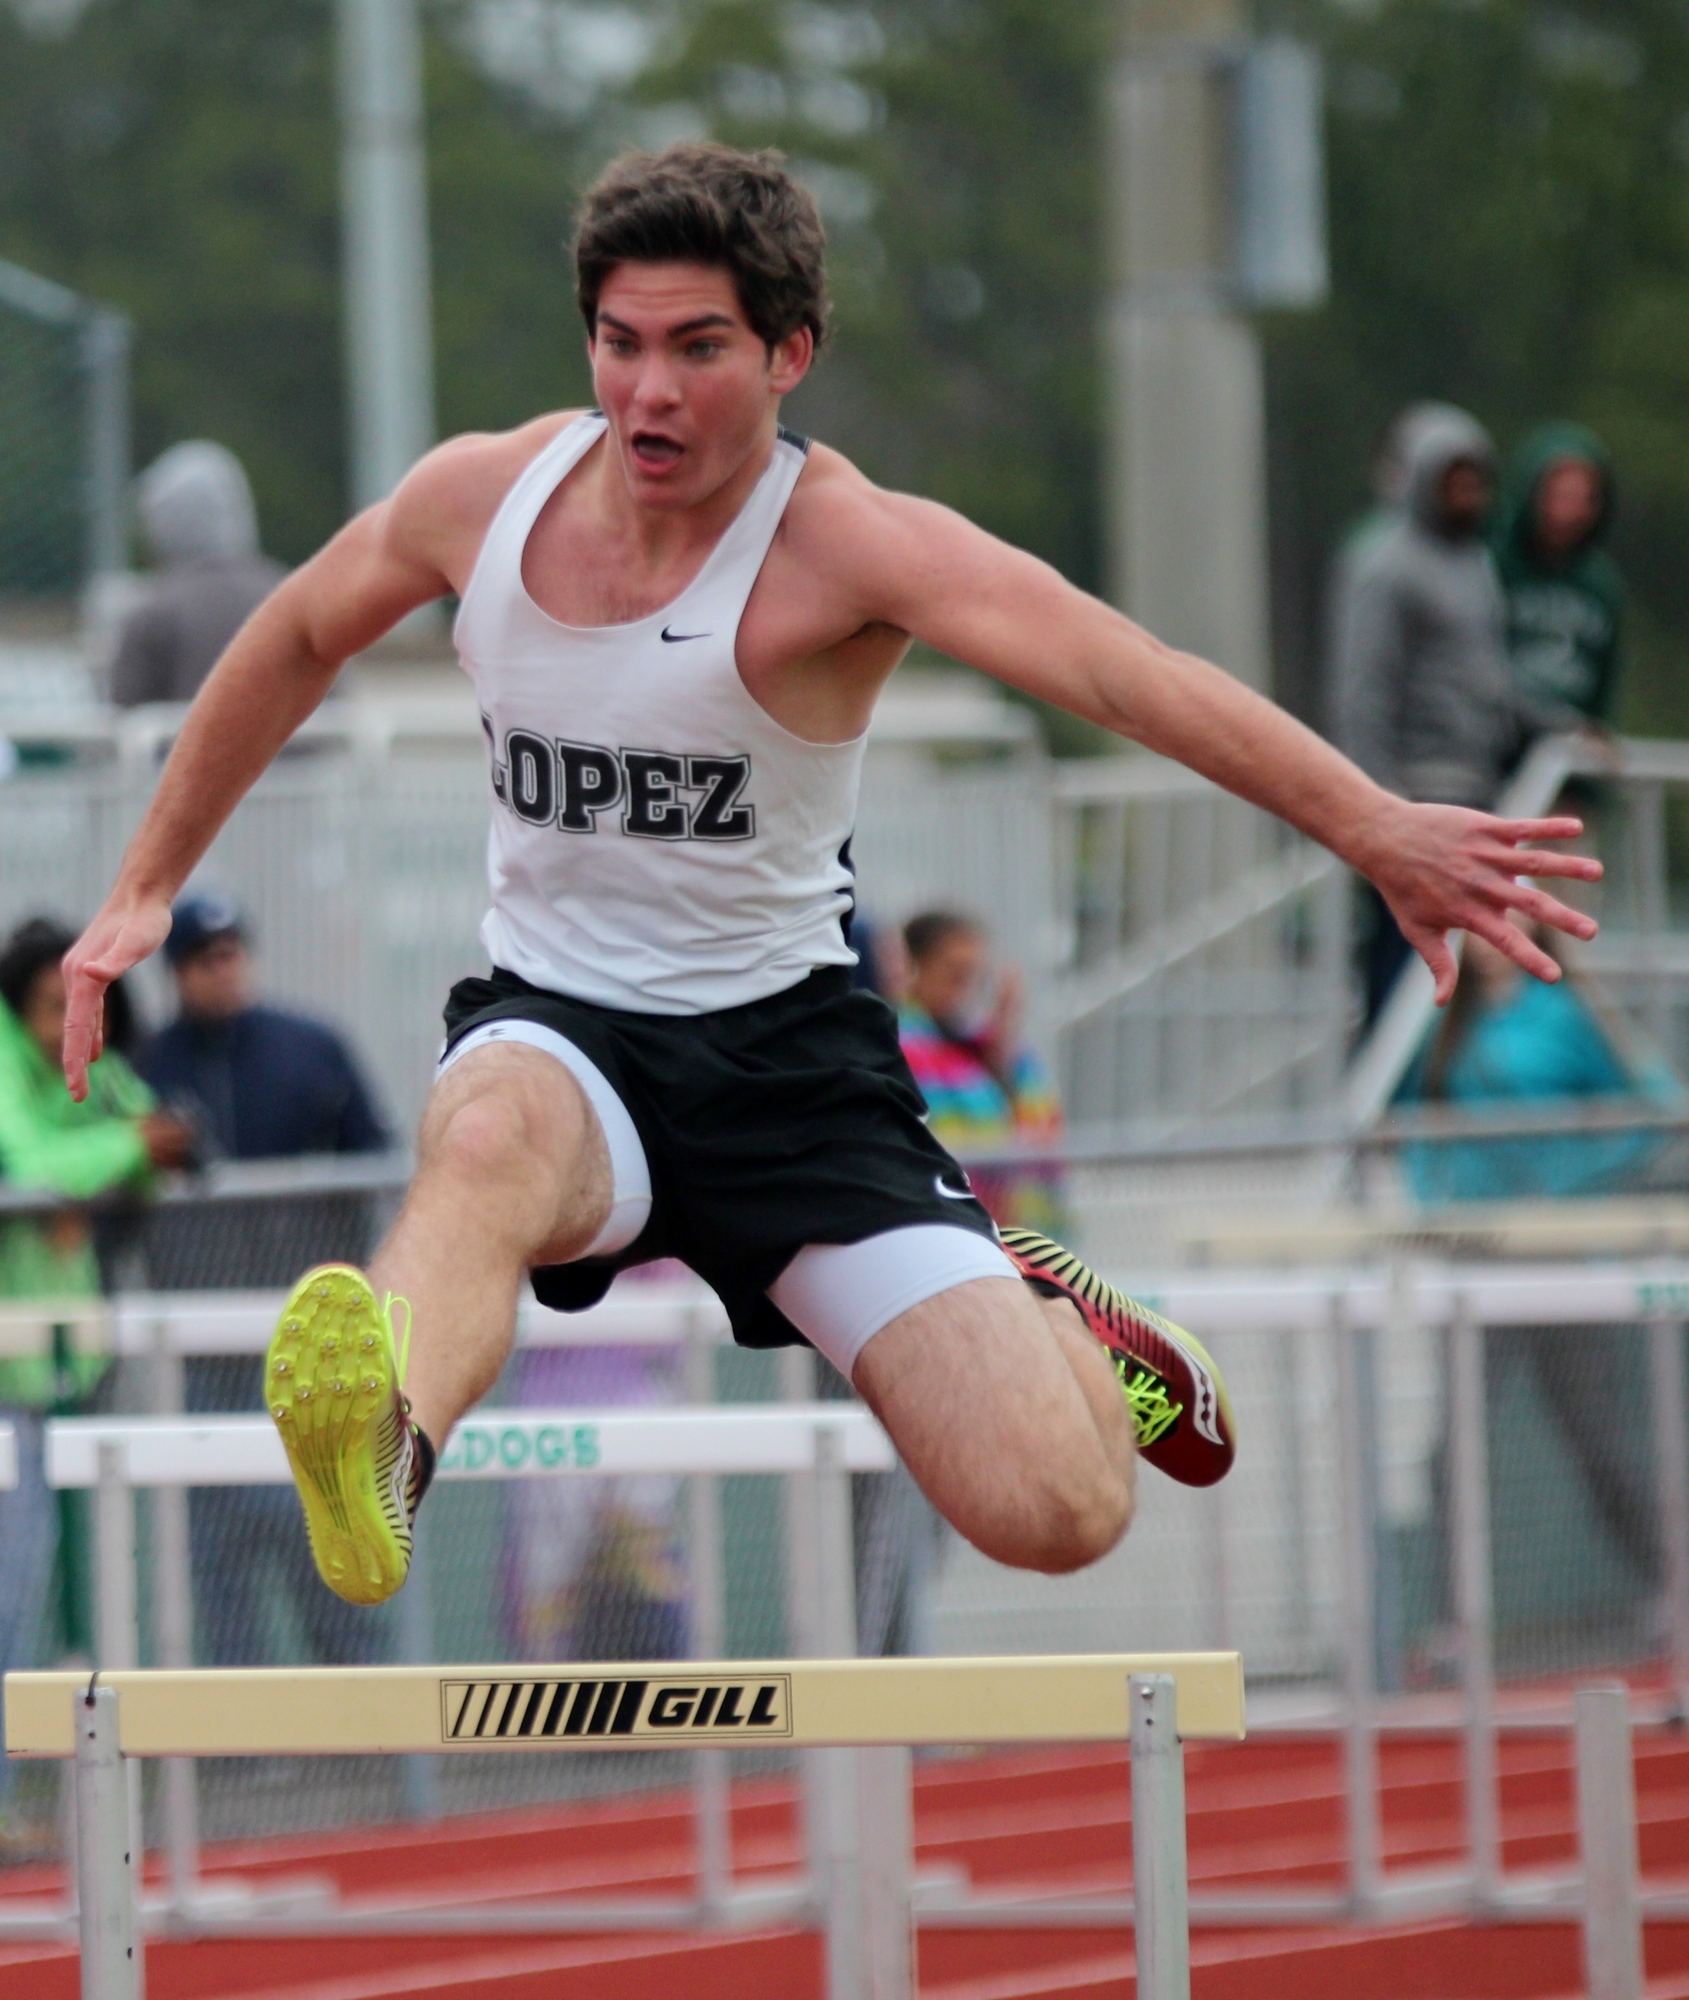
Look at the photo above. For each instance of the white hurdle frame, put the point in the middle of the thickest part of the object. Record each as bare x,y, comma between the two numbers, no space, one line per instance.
1359,1303
112,1456
1156,1701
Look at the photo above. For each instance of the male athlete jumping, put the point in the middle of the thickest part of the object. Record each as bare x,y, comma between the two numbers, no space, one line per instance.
677,617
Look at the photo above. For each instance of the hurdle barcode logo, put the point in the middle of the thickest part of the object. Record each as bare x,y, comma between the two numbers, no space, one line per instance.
554,1711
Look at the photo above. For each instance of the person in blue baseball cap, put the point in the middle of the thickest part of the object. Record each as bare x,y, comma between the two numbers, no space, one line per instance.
258,1083
203,920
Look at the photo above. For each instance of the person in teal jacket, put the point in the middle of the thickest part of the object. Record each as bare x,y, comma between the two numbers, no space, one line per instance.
1504,1039
1565,598
50,1143
1510,1040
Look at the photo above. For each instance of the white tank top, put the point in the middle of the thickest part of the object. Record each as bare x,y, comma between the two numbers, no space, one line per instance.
659,842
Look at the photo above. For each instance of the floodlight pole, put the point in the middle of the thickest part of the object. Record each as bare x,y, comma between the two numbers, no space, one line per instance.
384,245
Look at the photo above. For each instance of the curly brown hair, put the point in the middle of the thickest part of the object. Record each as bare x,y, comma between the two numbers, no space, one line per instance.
710,204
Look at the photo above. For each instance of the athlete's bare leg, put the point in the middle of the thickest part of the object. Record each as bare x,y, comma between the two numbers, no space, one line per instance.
512,1170
1008,1413
1003,1406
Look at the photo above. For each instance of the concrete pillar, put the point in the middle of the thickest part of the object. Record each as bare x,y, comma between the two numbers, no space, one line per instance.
1187,485
384,245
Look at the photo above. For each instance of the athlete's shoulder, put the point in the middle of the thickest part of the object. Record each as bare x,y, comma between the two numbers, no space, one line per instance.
840,522
835,504
475,468
444,505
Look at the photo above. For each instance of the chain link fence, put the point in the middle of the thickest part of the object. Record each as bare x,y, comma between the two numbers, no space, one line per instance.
64,424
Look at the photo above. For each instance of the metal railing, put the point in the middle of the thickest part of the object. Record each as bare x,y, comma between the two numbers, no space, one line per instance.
816,1445
1188,956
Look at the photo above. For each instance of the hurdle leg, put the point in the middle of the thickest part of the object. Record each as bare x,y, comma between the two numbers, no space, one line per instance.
117,1627
1160,1885
111,1963
886,1829
857,1804
838,1773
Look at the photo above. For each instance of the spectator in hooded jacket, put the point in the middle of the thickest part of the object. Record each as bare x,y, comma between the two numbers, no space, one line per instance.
198,520
1565,599
1424,695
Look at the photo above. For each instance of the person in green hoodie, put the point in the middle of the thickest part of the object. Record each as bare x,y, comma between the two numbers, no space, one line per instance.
48,1142
1565,598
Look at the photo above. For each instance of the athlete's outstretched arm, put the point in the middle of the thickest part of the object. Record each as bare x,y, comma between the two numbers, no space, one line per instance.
275,671
1441,868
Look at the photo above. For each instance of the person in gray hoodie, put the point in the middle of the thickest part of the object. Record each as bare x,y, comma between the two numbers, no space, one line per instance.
199,521
1425,702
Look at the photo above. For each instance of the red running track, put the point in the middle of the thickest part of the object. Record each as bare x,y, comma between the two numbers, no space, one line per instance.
1263,1815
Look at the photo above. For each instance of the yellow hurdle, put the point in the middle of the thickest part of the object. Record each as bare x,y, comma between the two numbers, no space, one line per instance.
335,1711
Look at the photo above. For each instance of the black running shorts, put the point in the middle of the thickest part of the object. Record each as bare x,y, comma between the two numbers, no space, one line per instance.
788,1121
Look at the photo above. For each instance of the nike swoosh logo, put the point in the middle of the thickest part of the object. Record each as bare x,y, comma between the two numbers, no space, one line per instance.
675,638
950,1193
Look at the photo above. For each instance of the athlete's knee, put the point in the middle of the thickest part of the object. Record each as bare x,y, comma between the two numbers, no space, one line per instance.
486,1141
1061,1525
1081,1523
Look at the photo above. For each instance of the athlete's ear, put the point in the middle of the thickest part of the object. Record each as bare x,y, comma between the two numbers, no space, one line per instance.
789,359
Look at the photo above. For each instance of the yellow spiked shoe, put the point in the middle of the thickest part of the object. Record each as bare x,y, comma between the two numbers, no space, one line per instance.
332,1385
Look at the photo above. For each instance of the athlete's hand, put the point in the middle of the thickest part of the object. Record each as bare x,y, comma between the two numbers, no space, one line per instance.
119,937
1443,868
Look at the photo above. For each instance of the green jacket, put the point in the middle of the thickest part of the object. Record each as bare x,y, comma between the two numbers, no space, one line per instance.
49,1141
1564,619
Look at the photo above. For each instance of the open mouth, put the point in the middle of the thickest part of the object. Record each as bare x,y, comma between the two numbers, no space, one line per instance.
654,451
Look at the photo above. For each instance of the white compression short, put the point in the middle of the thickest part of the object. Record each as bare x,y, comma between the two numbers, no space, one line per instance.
630,1176
837,1295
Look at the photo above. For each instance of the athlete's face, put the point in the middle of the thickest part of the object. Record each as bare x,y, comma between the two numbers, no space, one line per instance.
689,388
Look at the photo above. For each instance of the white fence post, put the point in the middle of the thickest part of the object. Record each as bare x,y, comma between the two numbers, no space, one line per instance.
1469,1464
116,1625
1357,1444
1612,1893
1160,1886
173,1629
111,1950
1669,1407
